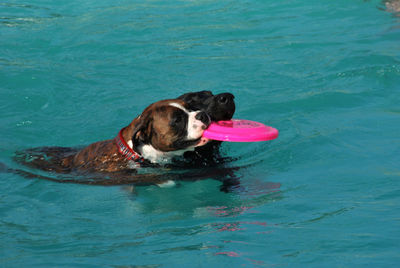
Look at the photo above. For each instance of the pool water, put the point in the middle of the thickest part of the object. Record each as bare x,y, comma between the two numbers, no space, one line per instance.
326,193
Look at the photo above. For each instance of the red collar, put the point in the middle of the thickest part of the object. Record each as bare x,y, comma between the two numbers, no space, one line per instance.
125,150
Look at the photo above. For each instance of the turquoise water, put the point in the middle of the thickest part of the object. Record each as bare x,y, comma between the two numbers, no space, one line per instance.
326,193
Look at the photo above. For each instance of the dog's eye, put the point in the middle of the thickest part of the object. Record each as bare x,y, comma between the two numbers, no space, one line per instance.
178,119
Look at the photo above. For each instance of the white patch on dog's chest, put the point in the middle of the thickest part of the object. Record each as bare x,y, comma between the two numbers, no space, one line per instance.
130,144
133,165
158,157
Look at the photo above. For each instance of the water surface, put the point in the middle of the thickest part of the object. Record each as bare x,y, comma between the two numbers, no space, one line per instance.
326,74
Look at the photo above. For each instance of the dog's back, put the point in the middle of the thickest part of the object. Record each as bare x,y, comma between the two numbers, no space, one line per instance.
55,159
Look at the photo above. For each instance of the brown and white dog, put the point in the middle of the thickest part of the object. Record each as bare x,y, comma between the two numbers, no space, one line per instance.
164,130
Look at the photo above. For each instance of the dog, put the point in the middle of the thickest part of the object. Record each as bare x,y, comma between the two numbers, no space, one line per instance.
219,107
164,131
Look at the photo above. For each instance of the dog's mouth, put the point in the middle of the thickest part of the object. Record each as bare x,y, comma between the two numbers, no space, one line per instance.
202,141
184,144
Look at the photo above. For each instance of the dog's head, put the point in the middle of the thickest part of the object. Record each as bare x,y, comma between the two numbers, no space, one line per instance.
218,107
166,127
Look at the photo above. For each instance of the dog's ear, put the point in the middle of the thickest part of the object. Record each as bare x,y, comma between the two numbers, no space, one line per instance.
197,100
196,96
142,129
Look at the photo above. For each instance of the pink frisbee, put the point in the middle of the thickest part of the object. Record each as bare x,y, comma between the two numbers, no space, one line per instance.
240,130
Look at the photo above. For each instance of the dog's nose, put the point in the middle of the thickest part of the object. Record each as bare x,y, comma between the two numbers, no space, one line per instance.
204,118
224,98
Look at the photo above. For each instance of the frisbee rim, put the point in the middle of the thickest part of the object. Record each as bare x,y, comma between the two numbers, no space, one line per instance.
257,131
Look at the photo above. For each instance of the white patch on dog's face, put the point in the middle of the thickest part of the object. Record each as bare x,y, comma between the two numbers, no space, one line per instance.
195,128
